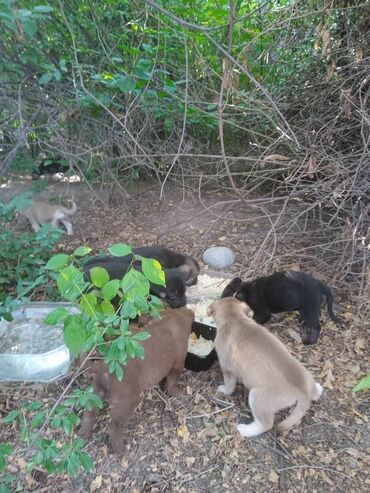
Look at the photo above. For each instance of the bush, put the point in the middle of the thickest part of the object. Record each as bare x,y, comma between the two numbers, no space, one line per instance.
23,257
106,308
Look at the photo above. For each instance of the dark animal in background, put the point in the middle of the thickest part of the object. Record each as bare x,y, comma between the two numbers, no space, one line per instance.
285,291
170,260
173,292
49,167
250,353
165,353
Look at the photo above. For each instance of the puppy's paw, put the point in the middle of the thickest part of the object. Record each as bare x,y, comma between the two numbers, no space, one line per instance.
252,430
224,390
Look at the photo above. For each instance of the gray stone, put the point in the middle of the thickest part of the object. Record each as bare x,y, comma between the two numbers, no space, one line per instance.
219,258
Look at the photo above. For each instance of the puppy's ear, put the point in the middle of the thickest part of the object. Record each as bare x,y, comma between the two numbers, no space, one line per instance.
210,310
236,283
248,311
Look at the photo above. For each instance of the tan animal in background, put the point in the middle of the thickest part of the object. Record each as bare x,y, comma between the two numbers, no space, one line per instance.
42,212
165,353
250,353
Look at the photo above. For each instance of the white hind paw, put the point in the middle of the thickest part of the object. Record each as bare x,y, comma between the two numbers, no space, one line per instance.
224,390
318,391
252,430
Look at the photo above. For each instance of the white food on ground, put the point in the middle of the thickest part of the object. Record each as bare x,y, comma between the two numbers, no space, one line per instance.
200,346
207,287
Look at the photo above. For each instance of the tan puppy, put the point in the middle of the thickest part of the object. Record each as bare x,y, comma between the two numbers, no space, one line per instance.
250,353
165,353
42,212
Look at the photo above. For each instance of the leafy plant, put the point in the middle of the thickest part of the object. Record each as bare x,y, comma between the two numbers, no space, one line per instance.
363,384
106,305
23,257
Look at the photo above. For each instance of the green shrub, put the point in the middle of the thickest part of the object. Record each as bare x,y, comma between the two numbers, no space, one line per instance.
23,257
106,308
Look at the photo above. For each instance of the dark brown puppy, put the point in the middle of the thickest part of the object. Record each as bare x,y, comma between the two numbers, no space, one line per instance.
173,292
170,259
165,353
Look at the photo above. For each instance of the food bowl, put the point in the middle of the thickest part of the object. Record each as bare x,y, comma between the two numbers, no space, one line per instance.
194,362
30,349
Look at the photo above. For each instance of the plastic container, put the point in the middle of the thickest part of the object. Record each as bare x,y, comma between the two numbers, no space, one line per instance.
31,350
202,363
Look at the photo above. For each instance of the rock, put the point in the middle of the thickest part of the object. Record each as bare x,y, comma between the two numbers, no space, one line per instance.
219,258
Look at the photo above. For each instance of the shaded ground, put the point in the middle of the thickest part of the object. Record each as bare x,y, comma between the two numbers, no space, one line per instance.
189,443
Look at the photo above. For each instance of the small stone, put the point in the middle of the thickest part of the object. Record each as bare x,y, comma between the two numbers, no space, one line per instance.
219,258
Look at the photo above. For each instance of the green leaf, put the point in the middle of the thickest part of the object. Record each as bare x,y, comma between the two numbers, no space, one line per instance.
99,276
128,310
130,348
74,336
57,261
125,84
135,285
71,283
63,65
81,251
141,336
38,419
12,416
29,26
120,250
44,79
363,384
43,9
119,373
86,462
73,465
6,449
152,269
56,316
88,303
110,289
107,308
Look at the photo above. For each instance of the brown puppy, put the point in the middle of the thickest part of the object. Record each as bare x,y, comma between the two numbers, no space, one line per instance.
42,212
165,353
249,352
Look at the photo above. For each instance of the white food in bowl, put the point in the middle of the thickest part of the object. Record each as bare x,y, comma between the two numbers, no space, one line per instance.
200,346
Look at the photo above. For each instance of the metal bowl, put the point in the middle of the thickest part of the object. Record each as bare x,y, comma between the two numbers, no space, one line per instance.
31,350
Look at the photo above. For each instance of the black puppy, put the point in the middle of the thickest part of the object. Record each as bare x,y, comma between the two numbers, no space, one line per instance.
285,291
49,167
170,260
173,292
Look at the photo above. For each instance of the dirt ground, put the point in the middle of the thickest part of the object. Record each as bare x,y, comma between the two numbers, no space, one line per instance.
190,443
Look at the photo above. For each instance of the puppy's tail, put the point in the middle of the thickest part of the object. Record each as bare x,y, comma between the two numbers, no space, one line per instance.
329,301
295,416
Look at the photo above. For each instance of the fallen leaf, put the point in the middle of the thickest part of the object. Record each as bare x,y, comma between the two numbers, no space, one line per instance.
190,461
96,484
273,476
360,343
183,432
294,335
